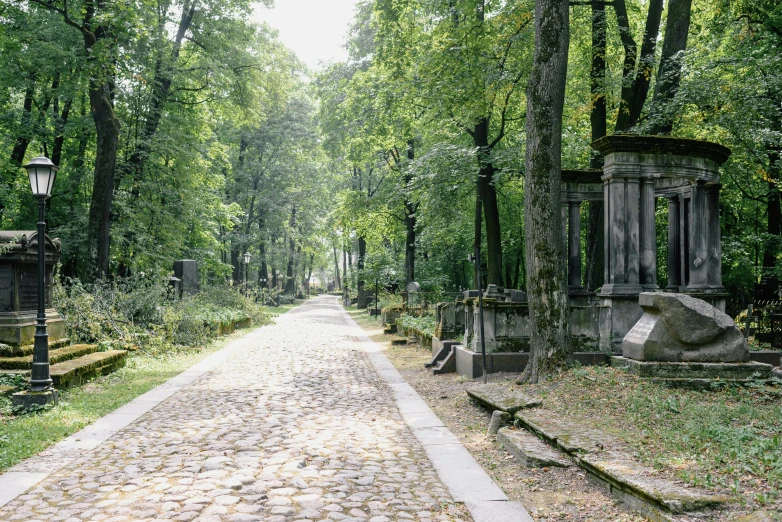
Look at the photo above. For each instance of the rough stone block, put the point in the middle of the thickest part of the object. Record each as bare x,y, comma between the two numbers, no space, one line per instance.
530,450
680,328
502,399
187,271
26,400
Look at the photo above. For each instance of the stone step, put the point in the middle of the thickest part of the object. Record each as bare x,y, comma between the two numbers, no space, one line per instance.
7,390
530,450
82,369
398,340
447,365
500,397
608,461
21,351
57,355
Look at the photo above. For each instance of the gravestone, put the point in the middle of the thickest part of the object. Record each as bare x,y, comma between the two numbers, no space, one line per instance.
680,328
19,289
186,270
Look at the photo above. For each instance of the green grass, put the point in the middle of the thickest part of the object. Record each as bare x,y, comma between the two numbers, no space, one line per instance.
727,439
24,436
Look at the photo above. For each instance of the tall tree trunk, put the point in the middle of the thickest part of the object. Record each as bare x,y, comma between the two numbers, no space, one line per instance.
635,88
161,86
362,253
309,274
478,230
263,273
410,218
677,27
236,264
20,147
59,128
491,212
290,281
336,266
774,212
107,129
594,229
550,344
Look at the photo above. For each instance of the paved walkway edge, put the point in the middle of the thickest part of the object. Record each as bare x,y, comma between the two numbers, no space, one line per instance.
31,471
459,471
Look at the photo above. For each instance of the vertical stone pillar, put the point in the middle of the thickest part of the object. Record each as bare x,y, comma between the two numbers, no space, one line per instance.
574,245
623,252
648,231
714,274
564,217
699,249
674,247
684,241
606,235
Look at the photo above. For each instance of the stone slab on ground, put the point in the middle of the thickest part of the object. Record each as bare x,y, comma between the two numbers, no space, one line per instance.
500,397
568,436
693,370
642,481
608,460
7,390
530,450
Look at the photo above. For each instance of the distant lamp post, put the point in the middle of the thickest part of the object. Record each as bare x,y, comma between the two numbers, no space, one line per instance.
42,173
246,268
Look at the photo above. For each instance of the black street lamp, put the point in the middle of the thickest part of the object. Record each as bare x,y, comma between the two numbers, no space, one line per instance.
246,268
42,173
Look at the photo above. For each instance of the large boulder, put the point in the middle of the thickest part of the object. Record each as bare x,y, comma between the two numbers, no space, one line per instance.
680,328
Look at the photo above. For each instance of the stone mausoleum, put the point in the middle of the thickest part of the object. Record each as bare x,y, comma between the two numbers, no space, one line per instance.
637,172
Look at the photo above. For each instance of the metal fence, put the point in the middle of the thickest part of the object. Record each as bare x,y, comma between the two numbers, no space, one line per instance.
763,320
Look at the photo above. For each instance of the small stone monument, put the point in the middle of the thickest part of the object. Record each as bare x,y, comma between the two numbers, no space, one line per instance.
684,338
19,292
186,270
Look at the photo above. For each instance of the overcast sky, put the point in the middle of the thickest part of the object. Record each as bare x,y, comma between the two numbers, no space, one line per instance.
313,29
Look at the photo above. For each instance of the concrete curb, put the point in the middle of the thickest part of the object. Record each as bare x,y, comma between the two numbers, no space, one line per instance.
462,475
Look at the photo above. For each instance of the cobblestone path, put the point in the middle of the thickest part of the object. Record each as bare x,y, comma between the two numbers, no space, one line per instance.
294,425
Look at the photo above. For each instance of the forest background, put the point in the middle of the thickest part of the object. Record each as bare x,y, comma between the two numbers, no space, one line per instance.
182,130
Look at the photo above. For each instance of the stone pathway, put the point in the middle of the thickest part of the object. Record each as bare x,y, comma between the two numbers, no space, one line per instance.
295,424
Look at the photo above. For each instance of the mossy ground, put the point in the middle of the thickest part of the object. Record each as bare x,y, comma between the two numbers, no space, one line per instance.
727,439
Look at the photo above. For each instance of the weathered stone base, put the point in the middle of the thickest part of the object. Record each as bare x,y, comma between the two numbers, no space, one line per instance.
503,398
694,371
26,400
470,364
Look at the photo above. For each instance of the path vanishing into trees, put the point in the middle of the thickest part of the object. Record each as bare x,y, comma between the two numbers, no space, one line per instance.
300,420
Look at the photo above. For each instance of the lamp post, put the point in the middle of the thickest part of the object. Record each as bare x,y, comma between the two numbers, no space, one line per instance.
42,173
246,268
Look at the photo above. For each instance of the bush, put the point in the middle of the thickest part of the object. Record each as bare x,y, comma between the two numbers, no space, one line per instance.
286,299
144,313
422,323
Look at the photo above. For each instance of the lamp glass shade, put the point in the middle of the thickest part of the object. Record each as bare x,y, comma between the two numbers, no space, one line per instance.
42,173
246,258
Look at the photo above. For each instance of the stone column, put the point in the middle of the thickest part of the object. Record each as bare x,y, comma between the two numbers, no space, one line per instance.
648,229
606,235
564,216
623,252
574,245
674,251
684,241
714,274
699,249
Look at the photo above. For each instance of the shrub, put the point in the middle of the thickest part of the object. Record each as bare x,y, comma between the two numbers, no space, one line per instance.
422,323
144,313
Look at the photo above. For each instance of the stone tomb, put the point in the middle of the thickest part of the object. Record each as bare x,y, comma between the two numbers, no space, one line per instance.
19,291
683,338
186,270
637,171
